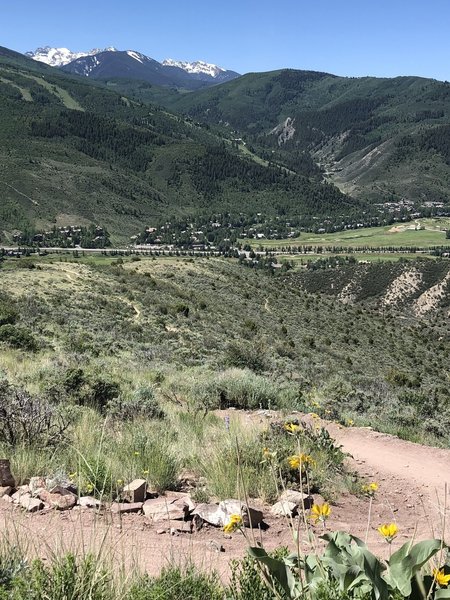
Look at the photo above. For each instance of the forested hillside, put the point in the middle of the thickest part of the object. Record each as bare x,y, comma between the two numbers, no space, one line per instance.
75,153
384,140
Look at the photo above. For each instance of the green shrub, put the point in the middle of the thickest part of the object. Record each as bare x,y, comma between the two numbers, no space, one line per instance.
150,454
101,393
12,564
326,474
18,337
178,583
231,471
199,390
66,577
246,355
8,314
94,476
347,565
142,404
246,582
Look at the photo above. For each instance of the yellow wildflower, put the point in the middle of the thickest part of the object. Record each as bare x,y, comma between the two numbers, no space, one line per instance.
370,488
119,481
72,475
146,472
298,461
321,512
314,415
388,531
234,523
350,422
136,453
441,578
291,427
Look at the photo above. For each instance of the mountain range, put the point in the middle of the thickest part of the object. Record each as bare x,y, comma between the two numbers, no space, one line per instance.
378,139
57,57
111,63
75,152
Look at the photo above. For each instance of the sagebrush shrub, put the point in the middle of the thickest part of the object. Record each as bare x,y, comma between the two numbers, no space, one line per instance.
31,420
142,404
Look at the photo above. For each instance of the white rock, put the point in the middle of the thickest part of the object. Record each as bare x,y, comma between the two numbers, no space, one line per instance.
300,499
284,508
236,507
31,504
88,502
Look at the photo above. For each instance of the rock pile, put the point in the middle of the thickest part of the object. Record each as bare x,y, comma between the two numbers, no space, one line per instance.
174,512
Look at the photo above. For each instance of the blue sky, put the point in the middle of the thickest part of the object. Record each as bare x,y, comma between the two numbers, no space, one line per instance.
356,38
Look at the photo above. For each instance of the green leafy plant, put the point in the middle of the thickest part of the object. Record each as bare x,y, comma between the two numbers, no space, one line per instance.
348,563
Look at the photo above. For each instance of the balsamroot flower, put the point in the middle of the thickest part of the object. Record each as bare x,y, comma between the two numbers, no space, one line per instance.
300,461
370,489
292,428
441,578
235,522
320,512
388,531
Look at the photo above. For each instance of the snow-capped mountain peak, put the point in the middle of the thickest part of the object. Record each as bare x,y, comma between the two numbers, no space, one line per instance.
142,58
197,67
56,57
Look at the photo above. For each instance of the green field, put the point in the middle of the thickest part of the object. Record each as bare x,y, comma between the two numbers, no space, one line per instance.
401,235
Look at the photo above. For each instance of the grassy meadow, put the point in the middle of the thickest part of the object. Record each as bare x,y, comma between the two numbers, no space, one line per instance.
431,233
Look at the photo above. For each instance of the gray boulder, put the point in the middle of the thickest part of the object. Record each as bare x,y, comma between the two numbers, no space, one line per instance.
162,509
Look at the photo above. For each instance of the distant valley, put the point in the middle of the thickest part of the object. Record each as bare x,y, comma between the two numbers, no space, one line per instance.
118,140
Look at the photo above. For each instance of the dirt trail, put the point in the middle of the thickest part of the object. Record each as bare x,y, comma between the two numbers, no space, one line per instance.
411,482
21,193
422,466
134,306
